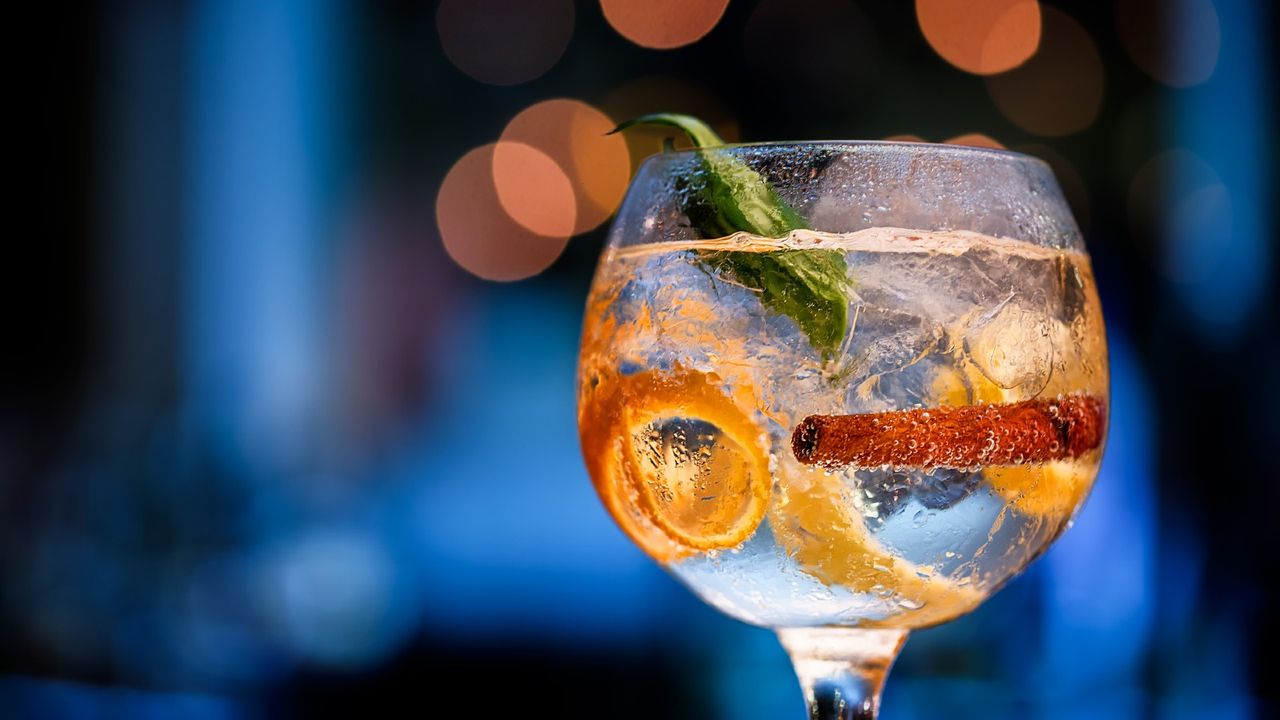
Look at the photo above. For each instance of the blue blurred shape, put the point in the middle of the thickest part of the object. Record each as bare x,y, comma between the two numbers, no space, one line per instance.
337,597
265,117
24,698
1217,234
510,535
1100,577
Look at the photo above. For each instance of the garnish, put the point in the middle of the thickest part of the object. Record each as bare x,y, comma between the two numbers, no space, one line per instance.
969,436
674,488
808,286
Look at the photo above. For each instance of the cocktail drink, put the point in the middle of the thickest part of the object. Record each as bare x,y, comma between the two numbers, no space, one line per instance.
859,420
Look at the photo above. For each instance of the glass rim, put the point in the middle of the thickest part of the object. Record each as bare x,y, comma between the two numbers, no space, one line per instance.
943,148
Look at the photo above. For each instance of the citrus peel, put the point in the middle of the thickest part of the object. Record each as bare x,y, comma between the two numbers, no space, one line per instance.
816,521
676,460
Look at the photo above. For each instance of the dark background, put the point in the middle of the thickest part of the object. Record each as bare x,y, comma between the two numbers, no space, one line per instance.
266,451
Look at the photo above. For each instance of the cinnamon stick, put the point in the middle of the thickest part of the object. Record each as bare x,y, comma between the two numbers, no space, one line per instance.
973,436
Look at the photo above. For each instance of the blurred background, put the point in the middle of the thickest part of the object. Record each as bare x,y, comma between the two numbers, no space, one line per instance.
287,426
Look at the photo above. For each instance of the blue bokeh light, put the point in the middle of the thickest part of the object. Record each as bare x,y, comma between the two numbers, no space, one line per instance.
1217,234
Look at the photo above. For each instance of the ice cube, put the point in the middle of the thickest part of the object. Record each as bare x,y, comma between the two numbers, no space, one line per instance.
886,340
885,492
1012,345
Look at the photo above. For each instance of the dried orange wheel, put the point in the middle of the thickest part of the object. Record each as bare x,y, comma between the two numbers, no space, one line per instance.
679,463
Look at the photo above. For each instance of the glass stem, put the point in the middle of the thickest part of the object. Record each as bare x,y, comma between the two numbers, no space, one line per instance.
842,670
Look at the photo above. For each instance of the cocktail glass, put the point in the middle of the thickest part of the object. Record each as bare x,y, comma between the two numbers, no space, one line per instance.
860,428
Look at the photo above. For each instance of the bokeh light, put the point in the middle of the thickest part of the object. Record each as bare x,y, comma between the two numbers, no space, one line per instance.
658,93
1059,90
574,135
975,140
981,36
331,597
533,189
663,24
478,233
1179,197
1176,43
905,137
504,42
1221,241
1148,187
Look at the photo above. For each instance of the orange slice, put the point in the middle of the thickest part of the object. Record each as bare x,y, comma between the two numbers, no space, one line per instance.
676,460
1049,490
817,522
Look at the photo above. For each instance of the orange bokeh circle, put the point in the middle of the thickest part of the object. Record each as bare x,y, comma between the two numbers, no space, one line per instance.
981,36
574,135
975,140
504,42
533,189
1059,91
1177,46
477,231
663,24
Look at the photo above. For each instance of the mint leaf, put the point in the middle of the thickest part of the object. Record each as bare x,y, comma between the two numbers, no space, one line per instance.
809,286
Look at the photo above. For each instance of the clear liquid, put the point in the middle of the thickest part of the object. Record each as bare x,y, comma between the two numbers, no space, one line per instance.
690,389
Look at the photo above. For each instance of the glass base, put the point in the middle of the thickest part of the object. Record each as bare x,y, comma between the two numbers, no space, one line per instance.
842,670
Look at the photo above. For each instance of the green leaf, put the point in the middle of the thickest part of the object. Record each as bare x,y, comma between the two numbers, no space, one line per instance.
809,286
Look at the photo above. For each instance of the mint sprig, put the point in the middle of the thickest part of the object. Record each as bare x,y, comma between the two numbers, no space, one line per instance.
809,286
